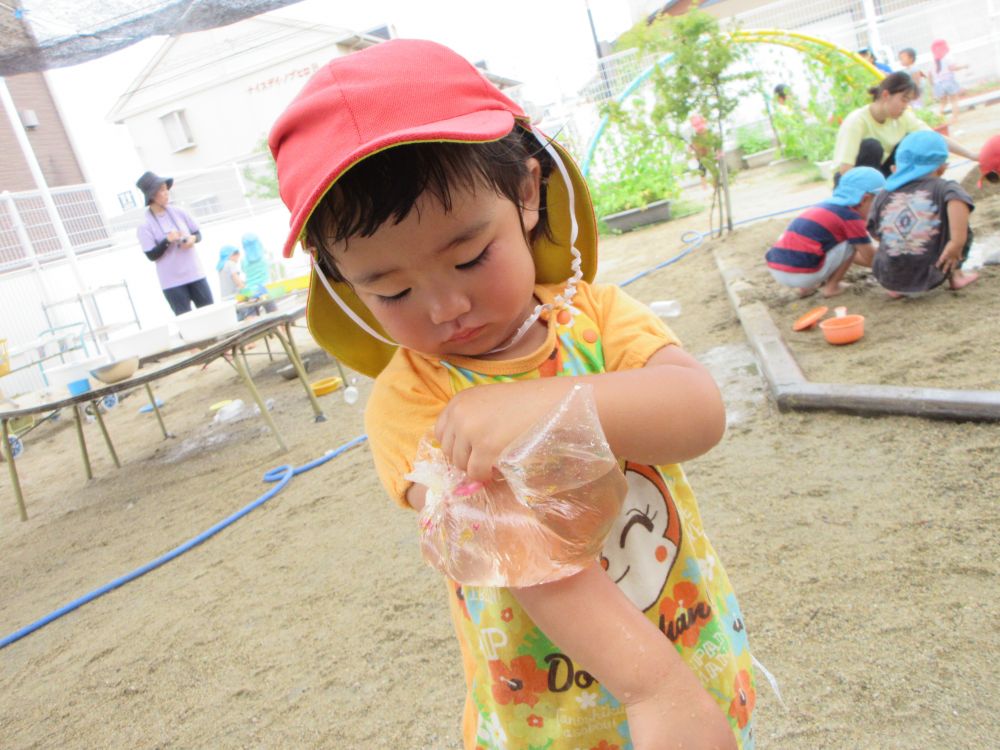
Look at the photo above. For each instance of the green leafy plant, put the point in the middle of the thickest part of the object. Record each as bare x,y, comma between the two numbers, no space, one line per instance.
752,139
837,86
929,115
640,161
698,77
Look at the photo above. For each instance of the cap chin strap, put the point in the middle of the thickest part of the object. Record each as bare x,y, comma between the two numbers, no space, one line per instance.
358,320
561,300
566,298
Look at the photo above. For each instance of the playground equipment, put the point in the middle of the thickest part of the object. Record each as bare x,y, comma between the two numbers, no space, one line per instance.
809,45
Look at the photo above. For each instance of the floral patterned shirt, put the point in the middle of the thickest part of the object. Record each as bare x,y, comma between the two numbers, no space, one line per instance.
523,692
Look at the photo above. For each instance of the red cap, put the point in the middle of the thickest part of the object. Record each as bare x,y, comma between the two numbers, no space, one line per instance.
398,92
989,157
369,100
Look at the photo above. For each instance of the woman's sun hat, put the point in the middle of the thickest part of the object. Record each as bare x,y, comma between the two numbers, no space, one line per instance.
150,183
854,184
400,92
918,154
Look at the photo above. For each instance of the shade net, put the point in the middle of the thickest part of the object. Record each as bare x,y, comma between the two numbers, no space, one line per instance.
41,34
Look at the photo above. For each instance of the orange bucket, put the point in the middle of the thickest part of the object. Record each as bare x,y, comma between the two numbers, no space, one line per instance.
844,330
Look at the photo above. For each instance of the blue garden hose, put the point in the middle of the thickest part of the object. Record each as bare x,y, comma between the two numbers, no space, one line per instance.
281,474
692,240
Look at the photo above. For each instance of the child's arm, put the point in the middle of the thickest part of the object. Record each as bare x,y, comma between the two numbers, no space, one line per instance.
959,150
666,412
958,223
592,621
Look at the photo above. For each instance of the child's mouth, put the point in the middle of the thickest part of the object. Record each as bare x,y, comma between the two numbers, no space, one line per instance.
466,334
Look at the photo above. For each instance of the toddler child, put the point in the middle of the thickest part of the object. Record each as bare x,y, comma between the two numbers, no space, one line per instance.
820,244
453,251
921,221
231,279
946,87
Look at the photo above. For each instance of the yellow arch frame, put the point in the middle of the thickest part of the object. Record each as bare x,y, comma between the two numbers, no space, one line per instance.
794,40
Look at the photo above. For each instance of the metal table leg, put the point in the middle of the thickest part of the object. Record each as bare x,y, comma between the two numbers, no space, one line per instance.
83,442
293,357
156,411
239,360
12,470
107,436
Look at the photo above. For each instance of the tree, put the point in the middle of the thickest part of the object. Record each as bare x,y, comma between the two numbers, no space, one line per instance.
699,75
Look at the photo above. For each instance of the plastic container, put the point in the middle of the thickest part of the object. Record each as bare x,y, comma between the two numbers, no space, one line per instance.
61,375
140,343
843,330
116,371
4,358
78,387
231,412
666,308
208,322
326,385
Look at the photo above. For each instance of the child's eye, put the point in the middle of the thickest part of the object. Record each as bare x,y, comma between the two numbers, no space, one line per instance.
390,299
481,258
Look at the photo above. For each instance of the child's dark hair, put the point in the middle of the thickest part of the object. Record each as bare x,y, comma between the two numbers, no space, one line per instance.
895,83
385,186
909,51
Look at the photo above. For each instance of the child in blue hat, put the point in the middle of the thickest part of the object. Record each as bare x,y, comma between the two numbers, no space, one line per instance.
820,244
921,221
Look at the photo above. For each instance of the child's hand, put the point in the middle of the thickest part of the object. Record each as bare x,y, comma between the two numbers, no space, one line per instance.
478,423
950,258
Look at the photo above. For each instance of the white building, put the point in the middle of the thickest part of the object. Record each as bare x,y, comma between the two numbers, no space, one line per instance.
209,98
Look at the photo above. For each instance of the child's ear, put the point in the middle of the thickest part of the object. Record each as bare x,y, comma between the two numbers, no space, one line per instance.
531,194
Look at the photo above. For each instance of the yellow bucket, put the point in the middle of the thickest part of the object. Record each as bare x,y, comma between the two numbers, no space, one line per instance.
4,358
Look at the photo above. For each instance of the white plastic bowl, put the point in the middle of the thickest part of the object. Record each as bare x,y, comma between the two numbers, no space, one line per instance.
140,343
61,375
207,322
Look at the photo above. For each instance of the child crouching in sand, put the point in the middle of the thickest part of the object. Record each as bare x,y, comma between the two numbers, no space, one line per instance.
820,244
453,251
921,221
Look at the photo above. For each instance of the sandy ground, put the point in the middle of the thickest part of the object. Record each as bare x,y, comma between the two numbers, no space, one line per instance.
863,549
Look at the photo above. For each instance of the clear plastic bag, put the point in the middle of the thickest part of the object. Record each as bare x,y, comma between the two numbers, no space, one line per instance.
545,519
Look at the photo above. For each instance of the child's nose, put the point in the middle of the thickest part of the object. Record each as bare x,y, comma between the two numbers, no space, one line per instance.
448,304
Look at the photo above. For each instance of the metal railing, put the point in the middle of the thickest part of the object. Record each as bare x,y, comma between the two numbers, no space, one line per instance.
28,234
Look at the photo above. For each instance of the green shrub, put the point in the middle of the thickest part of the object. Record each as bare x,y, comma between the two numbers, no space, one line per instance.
752,139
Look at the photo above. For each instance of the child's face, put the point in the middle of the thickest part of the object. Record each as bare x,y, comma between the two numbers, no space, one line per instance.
449,283
906,58
864,208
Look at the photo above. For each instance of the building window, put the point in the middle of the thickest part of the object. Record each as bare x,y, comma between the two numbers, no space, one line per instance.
126,200
178,132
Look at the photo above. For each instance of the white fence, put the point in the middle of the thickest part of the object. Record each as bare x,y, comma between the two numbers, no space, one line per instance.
971,28
26,294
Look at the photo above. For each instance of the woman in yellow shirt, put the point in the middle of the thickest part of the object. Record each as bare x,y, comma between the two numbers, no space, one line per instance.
868,136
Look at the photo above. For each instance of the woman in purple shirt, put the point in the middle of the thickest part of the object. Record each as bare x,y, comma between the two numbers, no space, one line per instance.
167,236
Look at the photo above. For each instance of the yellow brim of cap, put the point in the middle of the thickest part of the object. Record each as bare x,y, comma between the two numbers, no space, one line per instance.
334,330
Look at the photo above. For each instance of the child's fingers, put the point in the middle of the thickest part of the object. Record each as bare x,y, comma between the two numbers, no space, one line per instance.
480,466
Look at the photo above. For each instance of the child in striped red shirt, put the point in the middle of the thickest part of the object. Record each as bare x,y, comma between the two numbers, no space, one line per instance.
815,251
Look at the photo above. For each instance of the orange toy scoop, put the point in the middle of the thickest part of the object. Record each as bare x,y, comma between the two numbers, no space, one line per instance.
810,319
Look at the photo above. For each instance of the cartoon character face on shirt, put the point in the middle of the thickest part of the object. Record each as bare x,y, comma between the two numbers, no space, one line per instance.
643,543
